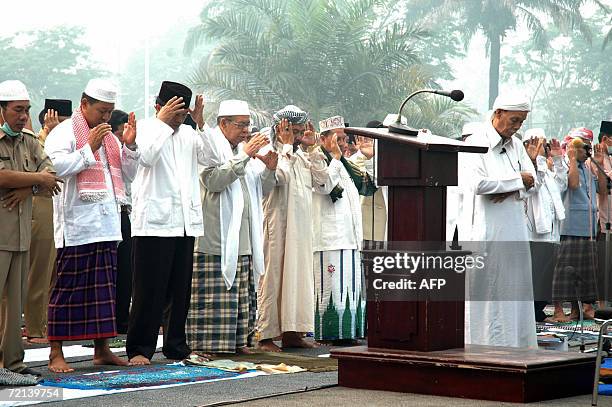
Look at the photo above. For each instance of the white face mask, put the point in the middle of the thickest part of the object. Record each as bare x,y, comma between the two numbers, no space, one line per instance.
6,128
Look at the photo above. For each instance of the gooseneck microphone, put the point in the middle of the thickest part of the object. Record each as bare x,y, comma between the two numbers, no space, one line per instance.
399,128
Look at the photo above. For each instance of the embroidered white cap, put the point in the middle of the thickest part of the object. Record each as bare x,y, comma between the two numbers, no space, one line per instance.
13,90
234,108
335,122
512,101
102,90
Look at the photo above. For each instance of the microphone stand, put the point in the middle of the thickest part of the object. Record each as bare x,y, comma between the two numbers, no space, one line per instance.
607,232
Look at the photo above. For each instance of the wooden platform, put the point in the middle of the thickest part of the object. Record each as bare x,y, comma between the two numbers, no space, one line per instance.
476,372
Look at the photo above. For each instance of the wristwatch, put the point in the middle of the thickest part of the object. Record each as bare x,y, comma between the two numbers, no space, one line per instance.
35,189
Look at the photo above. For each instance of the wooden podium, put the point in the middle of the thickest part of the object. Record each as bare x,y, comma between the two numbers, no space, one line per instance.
417,346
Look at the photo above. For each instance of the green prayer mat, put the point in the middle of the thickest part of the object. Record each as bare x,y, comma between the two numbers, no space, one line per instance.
312,364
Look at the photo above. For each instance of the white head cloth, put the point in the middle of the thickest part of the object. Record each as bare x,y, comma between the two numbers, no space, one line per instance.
515,102
535,132
102,90
13,90
234,108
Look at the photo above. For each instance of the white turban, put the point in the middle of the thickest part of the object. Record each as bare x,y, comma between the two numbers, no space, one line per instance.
515,102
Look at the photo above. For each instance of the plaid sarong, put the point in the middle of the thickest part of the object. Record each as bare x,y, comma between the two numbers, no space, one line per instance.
82,303
220,320
575,273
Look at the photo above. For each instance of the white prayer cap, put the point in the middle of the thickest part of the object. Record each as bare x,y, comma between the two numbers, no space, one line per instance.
335,122
470,128
13,90
515,102
234,108
102,90
536,132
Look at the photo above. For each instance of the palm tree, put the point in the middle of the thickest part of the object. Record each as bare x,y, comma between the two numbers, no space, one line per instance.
329,57
495,18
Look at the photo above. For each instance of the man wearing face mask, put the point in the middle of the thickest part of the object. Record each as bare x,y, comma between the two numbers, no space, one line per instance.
87,223
24,170
499,310
166,219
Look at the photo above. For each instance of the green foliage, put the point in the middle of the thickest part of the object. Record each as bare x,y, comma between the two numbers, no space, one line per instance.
571,82
52,63
342,57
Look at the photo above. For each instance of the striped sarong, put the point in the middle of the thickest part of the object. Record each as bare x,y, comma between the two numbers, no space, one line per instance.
82,302
340,311
575,273
220,320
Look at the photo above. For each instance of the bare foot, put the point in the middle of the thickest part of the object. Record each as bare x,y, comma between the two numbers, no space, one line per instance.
201,354
268,345
38,341
106,357
561,318
244,351
139,360
589,311
295,340
57,363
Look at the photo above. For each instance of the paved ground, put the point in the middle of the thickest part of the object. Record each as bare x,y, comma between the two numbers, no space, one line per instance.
303,389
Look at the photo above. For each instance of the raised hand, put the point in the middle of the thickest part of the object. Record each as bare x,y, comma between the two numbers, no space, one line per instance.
51,120
600,151
571,151
14,197
129,130
252,147
197,114
97,134
365,145
310,135
555,148
170,109
284,132
535,147
330,143
49,182
270,159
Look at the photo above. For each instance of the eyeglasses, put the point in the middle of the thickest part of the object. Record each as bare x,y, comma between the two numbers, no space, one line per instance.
240,125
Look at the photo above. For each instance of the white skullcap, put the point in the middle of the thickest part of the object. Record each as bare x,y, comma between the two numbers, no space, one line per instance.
470,128
102,90
13,90
536,132
515,102
234,108
335,122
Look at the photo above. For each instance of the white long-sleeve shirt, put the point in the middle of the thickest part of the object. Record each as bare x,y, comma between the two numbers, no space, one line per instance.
77,222
166,192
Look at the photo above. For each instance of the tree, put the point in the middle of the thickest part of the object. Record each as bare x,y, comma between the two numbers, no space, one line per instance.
328,57
571,82
52,63
495,18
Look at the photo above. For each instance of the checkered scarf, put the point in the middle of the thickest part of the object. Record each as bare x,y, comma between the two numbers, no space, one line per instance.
292,113
91,182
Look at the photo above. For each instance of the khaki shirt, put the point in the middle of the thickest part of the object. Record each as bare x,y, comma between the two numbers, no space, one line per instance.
22,153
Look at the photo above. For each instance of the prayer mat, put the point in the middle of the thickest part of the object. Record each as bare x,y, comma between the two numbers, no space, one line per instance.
312,364
139,377
604,372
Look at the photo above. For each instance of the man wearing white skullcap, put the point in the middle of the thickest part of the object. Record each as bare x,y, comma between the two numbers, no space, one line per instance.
87,222
229,258
24,170
499,310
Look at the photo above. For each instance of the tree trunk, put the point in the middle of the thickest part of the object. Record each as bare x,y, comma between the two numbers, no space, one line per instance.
495,41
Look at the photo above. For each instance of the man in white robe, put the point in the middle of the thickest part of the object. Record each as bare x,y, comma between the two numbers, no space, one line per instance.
286,293
499,310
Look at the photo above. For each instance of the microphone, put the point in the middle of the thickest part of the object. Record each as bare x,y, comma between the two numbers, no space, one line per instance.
399,128
503,150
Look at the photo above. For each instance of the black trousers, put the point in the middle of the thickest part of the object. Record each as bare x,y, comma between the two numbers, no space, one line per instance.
162,269
124,274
